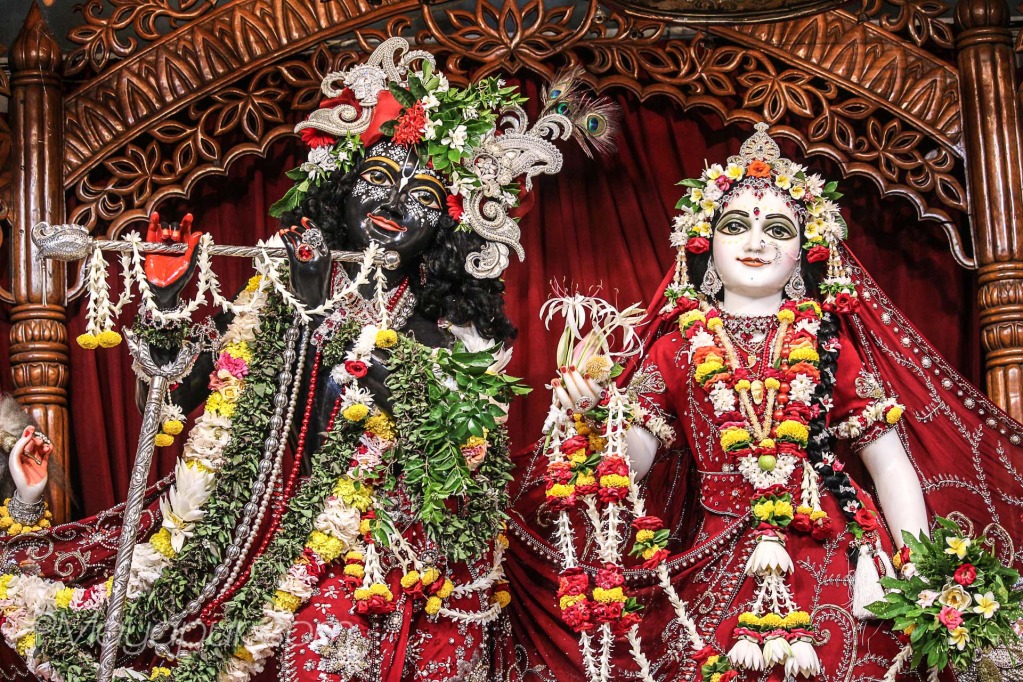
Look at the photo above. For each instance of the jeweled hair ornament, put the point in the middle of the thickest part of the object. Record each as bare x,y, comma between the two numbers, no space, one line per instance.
759,166
479,138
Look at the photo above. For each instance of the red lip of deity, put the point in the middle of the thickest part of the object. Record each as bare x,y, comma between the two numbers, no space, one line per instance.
385,223
754,262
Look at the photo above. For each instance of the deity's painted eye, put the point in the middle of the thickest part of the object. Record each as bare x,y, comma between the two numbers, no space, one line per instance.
427,198
780,231
375,176
732,227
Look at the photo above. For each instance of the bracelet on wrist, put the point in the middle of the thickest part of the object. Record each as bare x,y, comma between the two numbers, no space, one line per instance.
17,517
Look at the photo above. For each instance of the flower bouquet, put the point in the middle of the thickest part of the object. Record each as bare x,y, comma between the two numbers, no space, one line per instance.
955,599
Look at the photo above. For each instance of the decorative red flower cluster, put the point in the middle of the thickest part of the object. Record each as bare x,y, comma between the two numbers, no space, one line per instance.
409,129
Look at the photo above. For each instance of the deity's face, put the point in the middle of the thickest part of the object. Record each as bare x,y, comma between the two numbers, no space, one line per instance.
757,244
396,202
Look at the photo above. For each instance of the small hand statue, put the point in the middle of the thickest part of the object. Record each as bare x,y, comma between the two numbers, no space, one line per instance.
168,274
309,263
27,462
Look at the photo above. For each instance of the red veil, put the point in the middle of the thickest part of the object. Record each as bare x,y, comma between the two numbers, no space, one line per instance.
967,452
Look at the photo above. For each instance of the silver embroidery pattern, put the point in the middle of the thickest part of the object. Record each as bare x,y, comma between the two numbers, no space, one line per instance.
345,651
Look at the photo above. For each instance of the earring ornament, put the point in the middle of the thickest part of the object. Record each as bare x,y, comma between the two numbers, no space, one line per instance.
712,283
795,288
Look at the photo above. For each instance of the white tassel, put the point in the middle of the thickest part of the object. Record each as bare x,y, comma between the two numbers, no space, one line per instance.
746,653
866,586
776,650
804,660
769,556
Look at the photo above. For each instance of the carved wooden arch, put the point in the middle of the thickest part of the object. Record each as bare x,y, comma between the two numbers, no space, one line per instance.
191,102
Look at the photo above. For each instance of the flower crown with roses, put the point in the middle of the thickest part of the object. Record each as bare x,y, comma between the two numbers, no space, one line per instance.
478,138
759,166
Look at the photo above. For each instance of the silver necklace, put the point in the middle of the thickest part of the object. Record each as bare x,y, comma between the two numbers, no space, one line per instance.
355,307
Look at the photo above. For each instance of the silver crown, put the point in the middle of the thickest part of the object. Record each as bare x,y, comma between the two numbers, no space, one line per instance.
761,147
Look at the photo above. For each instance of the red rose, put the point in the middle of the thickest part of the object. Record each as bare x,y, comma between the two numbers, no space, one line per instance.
697,245
353,583
558,472
965,574
822,530
866,518
728,675
723,183
357,368
846,303
611,495
455,208
375,604
625,623
573,581
574,444
801,523
648,523
606,613
655,560
612,466
609,577
904,554
818,254
317,138
577,616
758,169
703,654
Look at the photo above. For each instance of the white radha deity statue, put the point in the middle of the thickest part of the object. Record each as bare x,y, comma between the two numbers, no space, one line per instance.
698,518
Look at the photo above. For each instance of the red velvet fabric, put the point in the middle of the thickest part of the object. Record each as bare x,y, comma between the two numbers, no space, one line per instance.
603,223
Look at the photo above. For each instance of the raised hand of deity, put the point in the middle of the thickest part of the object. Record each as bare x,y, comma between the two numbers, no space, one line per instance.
308,262
27,463
168,274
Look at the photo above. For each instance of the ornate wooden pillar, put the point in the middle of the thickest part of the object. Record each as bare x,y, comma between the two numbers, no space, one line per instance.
39,350
994,167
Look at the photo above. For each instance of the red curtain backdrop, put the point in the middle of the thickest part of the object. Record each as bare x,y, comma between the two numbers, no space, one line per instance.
596,223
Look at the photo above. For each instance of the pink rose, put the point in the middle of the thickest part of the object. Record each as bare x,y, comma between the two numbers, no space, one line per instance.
950,618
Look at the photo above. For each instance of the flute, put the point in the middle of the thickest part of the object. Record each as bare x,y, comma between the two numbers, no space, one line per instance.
72,242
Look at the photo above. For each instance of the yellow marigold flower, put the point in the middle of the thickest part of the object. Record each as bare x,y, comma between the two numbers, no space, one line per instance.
577,457
748,619
561,490
707,369
355,413
433,605
711,660
581,428
45,523
771,620
381,426
243,653
894,414
570,600
474,442
16,529
253,284
585,479
5,520
786,316
502,540
63,597
742,385
430,576
614,481
615,594
354,555
356,571
239,350
772,384
87,341
716,677
108,338
159,672
782,508
410,579
803,509
804,354
381,590
446,589
763,510
365,526
732,437
767,443
360,497
5,580
161,542
649,552
798,619
286,601
688,318
598,368
386,338
792,430
26,643
361,593
502,598
819,514
597,442
715,323
109,584
173,427
329,548
644,535
162,440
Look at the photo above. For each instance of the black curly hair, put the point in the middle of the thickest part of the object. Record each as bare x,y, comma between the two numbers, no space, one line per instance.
448,291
